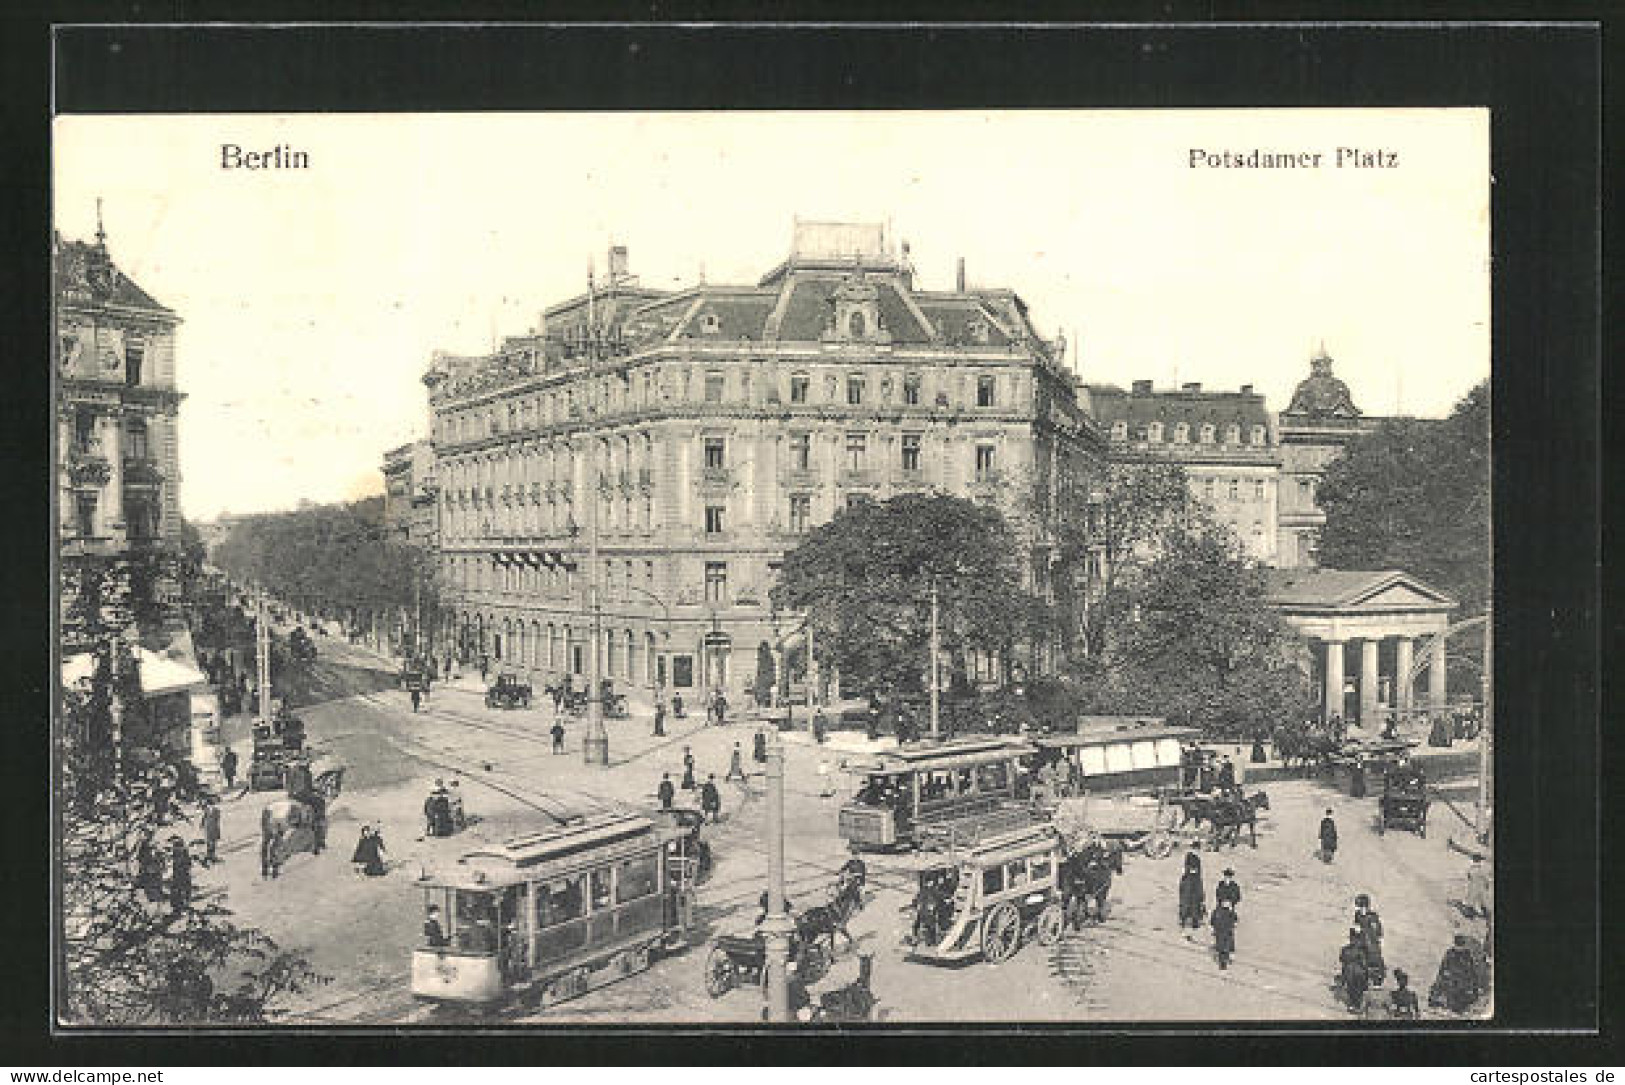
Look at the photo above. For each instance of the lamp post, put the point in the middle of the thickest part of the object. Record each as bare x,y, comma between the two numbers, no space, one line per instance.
777,926
665,651
595,747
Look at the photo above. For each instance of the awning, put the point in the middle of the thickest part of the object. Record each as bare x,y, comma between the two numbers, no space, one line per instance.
158,674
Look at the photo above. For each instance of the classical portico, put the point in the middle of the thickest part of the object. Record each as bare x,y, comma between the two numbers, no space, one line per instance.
1378,617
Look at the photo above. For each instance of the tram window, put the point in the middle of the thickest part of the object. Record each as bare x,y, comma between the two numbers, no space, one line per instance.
559,901
993,880
600,889
1017,873
1041,869
476,922
963,783
636,879
993,777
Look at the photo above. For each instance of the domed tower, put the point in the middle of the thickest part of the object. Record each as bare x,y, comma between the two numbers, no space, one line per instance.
1321,395
1314,428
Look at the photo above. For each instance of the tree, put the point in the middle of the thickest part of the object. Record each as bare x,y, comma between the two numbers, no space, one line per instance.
1202,646
1415,495
865,582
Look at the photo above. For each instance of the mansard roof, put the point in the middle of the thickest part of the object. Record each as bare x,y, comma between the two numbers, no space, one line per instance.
74,265
1111,404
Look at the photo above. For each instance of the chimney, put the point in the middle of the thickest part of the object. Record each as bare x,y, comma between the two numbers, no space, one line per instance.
959,279
1142,388
617,263
1246,389
1191,386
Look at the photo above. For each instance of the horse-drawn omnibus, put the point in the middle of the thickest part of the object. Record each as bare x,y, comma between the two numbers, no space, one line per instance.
991,898
554,913
940,793
1111,753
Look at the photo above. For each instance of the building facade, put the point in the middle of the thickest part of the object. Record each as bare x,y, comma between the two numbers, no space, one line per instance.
1313,430
118,473
411,510
1224,440
691,438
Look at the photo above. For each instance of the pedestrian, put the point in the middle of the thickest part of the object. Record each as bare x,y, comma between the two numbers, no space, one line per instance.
758,747
736,764
211,830
558,735
272,839
454,806
1357,779
417,699
818,726
1458,983
1227,775
368,856
1352,971
1192,894
1228,892
666,791
429,808
688,770
1370,926
677,707
440,811
485,666
722,709
434,935
711,798
180,875
1402,1004
1224,933
660,719
228,766
149,877
1328,838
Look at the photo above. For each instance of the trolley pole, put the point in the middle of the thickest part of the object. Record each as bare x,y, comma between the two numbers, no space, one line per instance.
1485,736
262,654
777,926
595,747
935,647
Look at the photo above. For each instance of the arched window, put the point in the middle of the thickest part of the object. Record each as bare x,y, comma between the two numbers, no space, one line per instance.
855,326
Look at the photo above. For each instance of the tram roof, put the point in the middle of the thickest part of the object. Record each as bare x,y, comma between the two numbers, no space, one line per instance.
1110,730
955,753
589,833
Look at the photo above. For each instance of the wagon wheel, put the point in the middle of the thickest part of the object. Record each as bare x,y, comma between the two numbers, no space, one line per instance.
1051,921
1159,845
719,973
1001,933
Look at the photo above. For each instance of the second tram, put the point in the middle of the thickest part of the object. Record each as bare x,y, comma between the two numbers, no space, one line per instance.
941,793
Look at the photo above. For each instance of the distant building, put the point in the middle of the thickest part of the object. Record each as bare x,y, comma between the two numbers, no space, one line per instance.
1223,440
706,431
1313,430
118,473
411,513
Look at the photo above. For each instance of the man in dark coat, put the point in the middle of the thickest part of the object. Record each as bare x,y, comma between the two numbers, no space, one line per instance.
666,791
228,766
1352,971
1224,933
180,875
1228,892
1457,986
660,719
1369,924
1328,838
758,747
688,770
1402,1003
1192,894
711,798
210,823
558,735
1227,775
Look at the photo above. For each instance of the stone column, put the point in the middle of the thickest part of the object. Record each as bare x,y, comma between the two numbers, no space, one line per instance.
1437,694
1334,678
1368,682
1404,661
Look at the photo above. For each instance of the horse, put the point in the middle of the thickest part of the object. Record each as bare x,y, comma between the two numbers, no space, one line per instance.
1087,877
1229,815
826,920
302,819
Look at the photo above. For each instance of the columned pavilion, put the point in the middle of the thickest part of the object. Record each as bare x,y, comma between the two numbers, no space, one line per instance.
1378,617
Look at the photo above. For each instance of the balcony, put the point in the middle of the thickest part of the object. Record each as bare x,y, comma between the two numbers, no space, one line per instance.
857,476
800,478
142,471
716,477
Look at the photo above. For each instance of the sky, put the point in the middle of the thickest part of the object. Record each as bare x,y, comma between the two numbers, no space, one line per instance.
312,299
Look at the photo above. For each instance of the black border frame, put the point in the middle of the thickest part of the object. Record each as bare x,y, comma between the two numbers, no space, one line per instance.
1543,85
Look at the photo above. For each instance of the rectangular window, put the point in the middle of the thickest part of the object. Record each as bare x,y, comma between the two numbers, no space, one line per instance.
559,901
854,391
600,889
984,462
636,878
798,389
135,353
716,581
992,880
648,572
85,511
716,452
911,452
135,441
857,451
1258,490
984,392
801,451
911,391
713,519
1207,487
713,387
800,513
1235,489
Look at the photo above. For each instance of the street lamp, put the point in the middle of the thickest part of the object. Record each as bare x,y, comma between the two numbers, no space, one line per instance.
595,747
665,652
777,926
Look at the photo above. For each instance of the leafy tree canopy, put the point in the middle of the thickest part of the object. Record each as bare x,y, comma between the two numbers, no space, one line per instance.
1415,495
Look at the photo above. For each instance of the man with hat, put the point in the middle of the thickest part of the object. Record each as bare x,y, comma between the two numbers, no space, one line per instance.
1228,892
1328,838
1192,896
1457,986
666,792
211,829
1224,933
1370,926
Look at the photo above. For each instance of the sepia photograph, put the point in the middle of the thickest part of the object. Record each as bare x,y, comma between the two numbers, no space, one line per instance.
809,567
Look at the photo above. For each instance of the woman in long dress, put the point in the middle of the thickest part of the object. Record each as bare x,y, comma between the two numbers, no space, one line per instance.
369,853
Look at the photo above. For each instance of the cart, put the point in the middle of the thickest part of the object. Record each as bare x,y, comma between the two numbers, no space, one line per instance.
509,692
988,901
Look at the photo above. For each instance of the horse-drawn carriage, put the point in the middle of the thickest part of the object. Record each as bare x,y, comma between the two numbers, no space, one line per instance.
741,959
1225,813
992,898
276,746
414,677
508,692
1404,803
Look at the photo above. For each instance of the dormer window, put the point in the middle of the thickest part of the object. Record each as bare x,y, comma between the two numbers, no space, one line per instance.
1119,430
1207,434
798,389
856,327
1153,432
1232,434
710,324
1258,435
1182,433
976,330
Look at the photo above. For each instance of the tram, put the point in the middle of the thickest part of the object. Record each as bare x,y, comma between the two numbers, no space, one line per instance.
1112,753
556,913
938,794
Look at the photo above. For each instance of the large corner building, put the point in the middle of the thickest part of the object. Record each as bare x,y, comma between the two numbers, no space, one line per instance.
695,436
